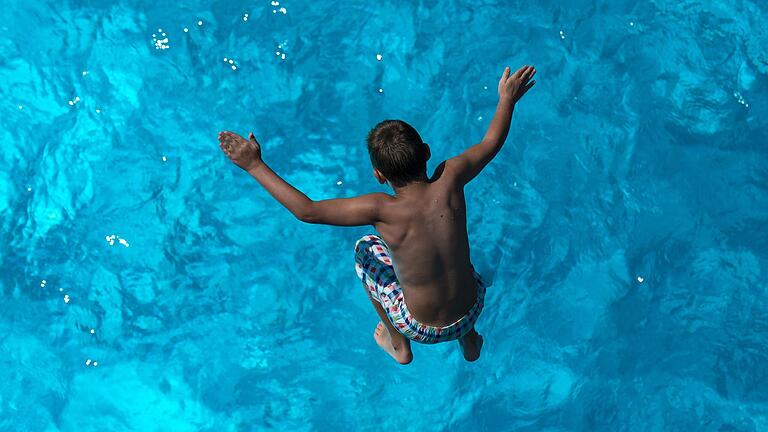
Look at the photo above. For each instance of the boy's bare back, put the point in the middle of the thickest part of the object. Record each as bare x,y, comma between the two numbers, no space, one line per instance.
425,226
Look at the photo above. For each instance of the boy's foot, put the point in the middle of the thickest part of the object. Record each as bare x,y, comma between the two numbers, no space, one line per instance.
471,344
402,354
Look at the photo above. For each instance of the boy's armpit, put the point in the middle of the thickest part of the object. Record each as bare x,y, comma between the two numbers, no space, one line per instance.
357,211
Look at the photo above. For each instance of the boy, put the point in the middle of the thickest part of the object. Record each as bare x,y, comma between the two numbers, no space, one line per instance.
423,249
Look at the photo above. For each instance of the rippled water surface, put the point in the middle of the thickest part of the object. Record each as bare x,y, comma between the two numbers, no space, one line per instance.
148,284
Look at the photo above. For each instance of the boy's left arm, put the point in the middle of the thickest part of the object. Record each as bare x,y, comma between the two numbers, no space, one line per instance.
361,210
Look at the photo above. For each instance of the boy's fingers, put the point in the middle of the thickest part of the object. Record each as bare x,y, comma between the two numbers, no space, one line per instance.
529,74
504,75
519,72
530,84
524,73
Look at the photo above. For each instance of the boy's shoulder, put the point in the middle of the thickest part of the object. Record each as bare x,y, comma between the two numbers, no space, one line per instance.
448,173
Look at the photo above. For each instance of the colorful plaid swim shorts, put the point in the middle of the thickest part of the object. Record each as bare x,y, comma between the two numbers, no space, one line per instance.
373,264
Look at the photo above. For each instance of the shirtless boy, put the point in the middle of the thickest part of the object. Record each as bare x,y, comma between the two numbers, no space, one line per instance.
417,273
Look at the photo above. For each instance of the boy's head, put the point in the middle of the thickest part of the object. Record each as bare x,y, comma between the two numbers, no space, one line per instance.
397,153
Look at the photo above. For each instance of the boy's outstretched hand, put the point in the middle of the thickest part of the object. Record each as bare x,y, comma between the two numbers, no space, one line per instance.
245,153
513,87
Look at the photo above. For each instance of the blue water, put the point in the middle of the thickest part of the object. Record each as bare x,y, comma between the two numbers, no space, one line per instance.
624,224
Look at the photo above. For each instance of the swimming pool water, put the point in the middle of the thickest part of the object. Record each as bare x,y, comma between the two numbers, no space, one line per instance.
148,284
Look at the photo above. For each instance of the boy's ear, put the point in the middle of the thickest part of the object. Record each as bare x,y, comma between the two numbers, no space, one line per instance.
379,176
429,152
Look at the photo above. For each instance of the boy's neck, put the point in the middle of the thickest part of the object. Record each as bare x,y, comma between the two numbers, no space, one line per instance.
411,188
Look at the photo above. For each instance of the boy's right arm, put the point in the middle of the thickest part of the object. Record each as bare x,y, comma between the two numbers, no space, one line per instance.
511,88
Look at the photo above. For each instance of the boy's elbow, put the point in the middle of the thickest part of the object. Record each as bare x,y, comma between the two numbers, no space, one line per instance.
307,214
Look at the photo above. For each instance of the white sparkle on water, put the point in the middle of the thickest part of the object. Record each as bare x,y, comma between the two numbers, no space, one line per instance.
338,183
111,240
186,30
378,57
29,189
93,331
562,35
234,67
161,44
85,72
640,279
282,56
98,110
245,17
200,23
21,107
381,90
95,363
164,159
66,298
632,23
283,10
88,362
740,98
231,61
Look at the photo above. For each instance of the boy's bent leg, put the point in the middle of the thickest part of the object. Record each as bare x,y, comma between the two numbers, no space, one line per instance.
471,344
388,338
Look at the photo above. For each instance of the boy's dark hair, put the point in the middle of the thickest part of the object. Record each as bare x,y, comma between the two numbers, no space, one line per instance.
398,152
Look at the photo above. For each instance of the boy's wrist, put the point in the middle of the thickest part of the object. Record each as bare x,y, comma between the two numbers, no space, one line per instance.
255,166
506,100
